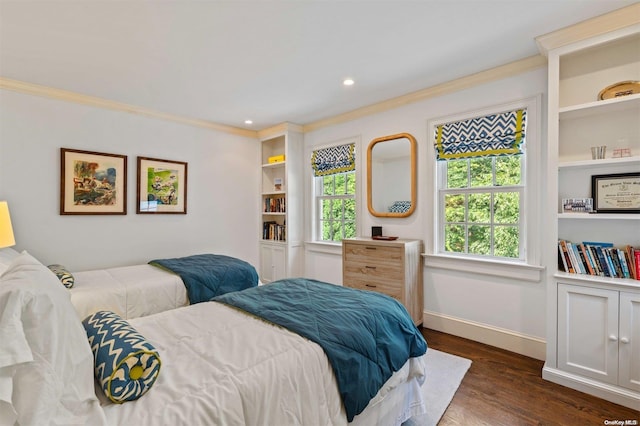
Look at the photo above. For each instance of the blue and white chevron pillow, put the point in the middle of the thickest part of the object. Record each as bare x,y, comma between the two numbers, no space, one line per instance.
125,363
400,207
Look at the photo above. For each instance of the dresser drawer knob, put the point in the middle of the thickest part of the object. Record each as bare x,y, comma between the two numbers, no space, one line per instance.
370,267
371,285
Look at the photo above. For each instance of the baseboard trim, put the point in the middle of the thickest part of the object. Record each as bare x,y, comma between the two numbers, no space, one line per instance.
501,338
615,394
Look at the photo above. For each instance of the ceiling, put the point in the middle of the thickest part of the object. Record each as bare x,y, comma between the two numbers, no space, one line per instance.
269,61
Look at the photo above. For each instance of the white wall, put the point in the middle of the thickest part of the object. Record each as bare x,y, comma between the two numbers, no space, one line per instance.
506,312
222,201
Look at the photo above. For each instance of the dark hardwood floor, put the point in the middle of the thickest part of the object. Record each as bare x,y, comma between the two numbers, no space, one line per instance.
504,388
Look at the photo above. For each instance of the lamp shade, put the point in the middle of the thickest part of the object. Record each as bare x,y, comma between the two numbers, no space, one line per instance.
6,231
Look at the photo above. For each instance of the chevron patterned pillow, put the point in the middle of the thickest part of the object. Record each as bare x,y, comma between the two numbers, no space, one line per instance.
125,363
65,277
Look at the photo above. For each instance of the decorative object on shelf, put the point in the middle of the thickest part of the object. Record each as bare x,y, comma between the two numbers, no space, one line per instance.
276,159
277,183
616,193
376,231
598,152
621,152
92,182
577,205
622,88
385,238
162,186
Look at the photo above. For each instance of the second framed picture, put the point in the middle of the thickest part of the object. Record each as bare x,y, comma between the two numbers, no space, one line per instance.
161,186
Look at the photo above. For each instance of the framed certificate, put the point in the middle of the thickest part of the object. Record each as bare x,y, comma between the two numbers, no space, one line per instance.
616,193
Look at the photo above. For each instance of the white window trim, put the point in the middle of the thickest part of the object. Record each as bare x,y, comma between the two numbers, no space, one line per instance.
531,268
312,208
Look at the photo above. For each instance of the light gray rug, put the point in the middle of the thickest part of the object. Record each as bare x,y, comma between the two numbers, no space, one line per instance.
444,375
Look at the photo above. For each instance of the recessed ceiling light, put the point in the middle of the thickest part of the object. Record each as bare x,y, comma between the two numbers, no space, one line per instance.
348,82
248,122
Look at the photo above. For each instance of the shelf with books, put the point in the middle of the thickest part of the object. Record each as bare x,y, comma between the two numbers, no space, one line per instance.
597,280
599,259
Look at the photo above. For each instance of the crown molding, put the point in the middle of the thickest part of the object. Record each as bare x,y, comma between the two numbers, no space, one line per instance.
497,73
612,21
67,96
279,129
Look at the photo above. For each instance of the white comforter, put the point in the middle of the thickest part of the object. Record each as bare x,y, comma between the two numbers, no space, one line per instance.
129,291
222,366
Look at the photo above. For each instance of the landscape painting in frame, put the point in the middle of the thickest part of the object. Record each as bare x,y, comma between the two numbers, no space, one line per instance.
92,182
162,186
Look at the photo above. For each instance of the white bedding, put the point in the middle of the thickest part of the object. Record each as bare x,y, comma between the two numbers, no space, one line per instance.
219,365
130,291
222,366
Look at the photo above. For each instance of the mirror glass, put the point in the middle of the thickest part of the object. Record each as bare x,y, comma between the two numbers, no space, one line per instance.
391,176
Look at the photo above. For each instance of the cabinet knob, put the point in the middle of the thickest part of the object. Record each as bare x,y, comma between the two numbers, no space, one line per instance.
613,338
624,340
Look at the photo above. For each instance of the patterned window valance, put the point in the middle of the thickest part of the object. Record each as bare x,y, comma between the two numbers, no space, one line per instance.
335,159
491,135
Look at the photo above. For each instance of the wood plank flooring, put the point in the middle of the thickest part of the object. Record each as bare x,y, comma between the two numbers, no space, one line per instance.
505,388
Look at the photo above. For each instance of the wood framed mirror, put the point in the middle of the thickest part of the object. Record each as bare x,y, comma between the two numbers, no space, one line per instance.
391,175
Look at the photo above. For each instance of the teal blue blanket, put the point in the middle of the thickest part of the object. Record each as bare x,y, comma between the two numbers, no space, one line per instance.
209,275
367,336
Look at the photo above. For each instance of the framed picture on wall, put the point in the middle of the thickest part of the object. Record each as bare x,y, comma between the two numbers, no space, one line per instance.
92,182
162,186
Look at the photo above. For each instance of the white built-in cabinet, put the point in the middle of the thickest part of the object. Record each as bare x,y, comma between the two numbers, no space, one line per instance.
281,202
593,322
599,334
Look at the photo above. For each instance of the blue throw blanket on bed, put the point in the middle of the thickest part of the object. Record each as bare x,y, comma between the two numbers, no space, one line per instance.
367,336
209,275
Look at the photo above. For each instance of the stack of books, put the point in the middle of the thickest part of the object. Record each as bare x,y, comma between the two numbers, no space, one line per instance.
275,205
274,231
601,259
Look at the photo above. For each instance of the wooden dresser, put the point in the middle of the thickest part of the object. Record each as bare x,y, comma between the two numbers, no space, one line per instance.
390,267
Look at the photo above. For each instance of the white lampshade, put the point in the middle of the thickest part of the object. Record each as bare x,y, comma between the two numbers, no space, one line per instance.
6,231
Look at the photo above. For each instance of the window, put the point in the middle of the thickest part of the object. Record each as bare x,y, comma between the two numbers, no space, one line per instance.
336,203
335,192
481,191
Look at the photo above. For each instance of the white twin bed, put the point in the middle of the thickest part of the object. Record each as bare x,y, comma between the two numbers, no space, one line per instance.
220,365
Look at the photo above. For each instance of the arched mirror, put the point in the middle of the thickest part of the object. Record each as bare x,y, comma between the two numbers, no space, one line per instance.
391,176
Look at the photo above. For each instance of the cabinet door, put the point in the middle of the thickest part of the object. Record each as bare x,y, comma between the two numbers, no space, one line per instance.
588,332
630,340
272,262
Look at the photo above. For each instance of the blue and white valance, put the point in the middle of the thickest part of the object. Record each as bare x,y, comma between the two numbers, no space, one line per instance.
491,135
335,159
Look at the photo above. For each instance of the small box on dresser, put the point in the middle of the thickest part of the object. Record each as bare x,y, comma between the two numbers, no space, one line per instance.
390,267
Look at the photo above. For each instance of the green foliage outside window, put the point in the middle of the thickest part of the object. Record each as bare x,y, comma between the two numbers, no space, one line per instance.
482,206
338,206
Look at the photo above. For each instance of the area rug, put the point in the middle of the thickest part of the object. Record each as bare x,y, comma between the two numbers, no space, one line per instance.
444,375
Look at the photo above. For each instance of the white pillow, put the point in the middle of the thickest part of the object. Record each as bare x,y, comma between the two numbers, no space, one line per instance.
7,254
46,364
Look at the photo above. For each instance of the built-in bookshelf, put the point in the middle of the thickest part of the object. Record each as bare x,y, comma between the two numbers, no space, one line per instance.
593,305
280,202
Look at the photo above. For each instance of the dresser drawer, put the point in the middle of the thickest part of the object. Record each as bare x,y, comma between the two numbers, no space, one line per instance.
389,275
373,255
394,291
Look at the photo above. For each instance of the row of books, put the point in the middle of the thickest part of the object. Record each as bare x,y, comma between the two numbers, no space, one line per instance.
274,205
602,259
274,231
